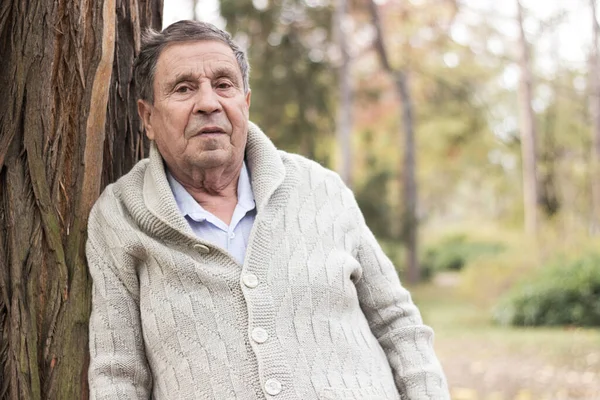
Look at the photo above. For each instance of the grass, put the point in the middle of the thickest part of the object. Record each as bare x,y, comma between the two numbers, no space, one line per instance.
486,361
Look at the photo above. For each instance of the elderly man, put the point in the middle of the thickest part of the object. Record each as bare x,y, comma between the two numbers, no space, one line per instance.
226,269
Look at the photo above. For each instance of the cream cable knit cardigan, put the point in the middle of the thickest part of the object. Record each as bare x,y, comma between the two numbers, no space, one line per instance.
315,312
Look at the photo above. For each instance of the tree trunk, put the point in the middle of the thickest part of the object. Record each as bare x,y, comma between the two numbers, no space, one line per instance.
195,15
528,132
595,115
548,193
344,117
68,126
410,220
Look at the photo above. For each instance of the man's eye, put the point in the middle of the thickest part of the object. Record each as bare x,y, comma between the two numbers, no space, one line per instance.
224,85
183,89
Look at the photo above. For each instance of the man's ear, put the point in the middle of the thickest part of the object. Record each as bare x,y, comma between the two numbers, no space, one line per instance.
145,111
248,96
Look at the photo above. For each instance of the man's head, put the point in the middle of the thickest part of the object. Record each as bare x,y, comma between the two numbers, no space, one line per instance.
153,43
194,97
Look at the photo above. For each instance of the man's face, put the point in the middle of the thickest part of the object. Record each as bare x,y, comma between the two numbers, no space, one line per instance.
199,119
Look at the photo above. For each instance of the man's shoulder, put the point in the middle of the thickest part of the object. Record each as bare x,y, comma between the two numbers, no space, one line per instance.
309,179
316,178
307,167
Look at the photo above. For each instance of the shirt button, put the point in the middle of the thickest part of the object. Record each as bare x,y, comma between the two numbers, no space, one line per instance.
231,235
273,387
202,248
250,280
259,335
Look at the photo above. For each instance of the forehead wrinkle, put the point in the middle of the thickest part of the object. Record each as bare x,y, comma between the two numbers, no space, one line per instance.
202,59
197,65
225,71
186,76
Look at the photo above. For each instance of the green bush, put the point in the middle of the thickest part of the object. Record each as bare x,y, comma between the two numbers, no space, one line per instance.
453,252
487,278
373,203
559,294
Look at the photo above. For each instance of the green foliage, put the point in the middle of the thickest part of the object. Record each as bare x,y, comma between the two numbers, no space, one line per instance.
453,252
562,293
488,277
293,84
371,198
372,194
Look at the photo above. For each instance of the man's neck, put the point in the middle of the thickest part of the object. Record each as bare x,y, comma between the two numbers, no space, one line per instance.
216,193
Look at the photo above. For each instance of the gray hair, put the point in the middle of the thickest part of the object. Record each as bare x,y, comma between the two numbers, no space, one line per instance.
154,42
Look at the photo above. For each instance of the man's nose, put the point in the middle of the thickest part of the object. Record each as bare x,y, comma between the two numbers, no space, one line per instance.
206,100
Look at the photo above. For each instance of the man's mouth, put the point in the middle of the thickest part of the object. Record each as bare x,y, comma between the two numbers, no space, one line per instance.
211,130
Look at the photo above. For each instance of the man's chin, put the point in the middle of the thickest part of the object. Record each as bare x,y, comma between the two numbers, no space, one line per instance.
210,141
212,158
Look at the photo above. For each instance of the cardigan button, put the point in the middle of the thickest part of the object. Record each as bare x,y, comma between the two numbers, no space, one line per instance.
259,335
273,387
250,280
202,248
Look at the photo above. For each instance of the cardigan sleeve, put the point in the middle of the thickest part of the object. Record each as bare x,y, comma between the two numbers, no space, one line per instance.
396,323
118,366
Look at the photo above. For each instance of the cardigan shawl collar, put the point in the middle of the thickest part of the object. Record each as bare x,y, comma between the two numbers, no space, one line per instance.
266,174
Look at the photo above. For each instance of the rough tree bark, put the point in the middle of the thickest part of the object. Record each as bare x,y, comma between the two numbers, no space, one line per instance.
401,81
528,131
68,125
344,117
595,116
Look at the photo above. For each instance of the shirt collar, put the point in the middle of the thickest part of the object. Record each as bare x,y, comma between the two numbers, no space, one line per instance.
191,208
244,190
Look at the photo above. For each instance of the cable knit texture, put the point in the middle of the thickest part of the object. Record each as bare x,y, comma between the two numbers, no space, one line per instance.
315,312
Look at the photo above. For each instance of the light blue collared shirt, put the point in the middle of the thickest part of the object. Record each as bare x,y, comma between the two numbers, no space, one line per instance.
232,238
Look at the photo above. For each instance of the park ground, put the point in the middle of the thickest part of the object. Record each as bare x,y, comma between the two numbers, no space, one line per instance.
483,361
